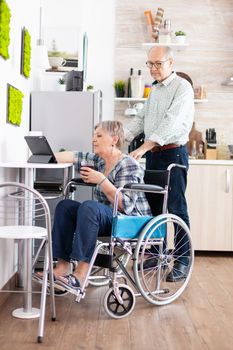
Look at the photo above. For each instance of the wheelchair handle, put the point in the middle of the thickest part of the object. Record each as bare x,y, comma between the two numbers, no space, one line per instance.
173,165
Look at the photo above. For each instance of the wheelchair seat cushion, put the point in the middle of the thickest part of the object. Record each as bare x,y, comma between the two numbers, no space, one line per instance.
129,226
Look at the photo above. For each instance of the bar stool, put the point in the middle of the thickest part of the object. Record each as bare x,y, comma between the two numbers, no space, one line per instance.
25,216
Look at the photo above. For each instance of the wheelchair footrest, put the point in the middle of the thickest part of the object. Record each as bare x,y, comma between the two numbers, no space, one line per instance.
103,260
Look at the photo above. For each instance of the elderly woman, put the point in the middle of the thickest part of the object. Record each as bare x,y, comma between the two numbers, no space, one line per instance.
77,225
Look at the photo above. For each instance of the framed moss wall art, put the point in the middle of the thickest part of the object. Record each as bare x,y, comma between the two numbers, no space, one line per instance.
5,17
25,53
14,105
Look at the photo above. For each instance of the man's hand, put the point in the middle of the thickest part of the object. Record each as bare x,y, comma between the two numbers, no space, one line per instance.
140,151
137,153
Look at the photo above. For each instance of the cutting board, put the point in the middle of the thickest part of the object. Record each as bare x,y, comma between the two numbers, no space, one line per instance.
194,135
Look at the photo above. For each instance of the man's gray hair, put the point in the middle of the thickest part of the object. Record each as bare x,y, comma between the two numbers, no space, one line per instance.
114,128
168,53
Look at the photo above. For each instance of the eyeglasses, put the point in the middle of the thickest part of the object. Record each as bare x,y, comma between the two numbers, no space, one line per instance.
157,64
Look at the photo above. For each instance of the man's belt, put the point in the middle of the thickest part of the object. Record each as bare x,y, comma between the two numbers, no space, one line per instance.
164,148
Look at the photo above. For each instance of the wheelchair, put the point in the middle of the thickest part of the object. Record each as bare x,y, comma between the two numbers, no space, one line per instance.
137,239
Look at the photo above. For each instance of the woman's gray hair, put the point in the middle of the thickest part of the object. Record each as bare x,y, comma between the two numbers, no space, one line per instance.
114,128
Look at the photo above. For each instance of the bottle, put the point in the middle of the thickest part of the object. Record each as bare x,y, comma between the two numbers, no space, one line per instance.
129,91
200,154
137,85
194,150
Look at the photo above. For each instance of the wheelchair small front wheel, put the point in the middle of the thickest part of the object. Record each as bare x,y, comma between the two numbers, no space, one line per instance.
113,307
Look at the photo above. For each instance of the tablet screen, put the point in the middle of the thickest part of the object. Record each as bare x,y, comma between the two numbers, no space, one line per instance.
39,146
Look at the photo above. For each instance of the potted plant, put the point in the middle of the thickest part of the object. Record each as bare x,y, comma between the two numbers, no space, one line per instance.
90,87
180,37
62,84
119,86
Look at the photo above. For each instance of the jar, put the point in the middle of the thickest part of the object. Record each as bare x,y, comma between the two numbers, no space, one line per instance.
147,89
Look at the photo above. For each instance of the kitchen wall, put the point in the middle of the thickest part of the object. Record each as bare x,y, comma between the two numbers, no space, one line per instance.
12,144
97,19
208,59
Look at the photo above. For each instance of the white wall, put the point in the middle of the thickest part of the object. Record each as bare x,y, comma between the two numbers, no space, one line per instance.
12,144
87,15
97,19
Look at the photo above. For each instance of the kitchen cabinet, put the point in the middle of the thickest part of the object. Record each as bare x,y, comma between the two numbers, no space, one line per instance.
210,204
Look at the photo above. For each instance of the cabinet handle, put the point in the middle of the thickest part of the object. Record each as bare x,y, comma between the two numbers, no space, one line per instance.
227,180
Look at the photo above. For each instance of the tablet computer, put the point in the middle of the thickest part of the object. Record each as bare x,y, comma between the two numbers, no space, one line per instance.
41,150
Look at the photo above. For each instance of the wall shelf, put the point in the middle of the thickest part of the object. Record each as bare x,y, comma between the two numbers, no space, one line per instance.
174,46
129,99
132,99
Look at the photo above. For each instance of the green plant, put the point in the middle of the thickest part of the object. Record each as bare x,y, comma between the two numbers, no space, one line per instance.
90,87
179,33
26,61
119,85
5,16
61,81
15,105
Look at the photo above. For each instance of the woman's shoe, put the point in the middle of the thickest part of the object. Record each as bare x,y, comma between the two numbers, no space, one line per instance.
58,289
69,282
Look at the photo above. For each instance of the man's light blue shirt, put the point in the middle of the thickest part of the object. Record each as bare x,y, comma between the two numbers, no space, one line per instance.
168,114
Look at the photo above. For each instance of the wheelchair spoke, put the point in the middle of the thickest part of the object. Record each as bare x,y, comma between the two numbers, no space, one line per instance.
168,260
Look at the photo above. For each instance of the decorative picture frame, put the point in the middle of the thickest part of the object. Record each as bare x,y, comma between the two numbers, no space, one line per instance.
25,66
5,16
14,105
55,39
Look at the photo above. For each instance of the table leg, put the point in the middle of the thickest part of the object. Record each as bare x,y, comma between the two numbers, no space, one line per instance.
27,311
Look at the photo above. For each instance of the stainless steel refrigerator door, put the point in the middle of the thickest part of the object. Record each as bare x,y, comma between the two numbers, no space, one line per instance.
67,119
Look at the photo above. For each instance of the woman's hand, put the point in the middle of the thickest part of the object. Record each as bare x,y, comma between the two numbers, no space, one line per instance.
89,175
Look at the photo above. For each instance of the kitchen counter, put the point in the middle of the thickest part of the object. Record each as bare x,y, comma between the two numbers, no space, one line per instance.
202,161
211,161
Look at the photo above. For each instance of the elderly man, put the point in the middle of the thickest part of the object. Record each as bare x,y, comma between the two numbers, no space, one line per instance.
166,120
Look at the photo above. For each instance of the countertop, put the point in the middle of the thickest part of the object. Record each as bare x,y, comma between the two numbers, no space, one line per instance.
202,161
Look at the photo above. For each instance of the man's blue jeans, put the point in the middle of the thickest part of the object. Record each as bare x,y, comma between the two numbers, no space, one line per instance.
77,226
176,197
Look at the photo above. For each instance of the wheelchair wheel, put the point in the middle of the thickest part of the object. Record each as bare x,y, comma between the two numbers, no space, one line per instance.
112,305
163,259
99,275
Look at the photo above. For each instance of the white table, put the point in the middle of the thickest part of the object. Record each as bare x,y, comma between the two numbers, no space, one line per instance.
26,175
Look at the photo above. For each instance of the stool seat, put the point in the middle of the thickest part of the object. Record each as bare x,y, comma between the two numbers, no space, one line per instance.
22,232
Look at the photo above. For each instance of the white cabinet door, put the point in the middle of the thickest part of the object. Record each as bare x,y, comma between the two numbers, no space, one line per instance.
209,197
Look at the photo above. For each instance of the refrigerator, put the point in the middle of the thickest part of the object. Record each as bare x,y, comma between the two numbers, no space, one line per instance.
67,119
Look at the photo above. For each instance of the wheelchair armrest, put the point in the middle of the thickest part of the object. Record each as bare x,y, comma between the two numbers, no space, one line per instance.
144,187
78,181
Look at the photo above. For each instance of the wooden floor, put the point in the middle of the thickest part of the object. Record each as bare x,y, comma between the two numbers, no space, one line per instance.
202,318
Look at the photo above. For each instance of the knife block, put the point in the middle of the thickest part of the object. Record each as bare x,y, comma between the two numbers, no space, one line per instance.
210,153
